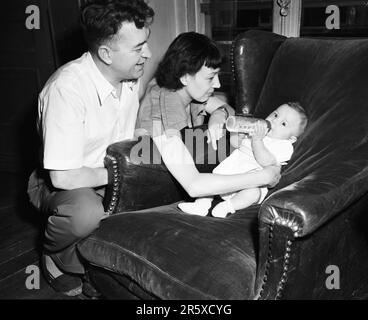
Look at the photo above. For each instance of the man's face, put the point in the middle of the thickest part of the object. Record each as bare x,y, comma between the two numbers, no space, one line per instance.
201,85
130,51
285,123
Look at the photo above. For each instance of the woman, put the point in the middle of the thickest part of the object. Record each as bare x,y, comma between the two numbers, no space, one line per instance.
189,72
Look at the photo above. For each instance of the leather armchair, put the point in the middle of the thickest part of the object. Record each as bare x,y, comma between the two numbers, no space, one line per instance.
308,240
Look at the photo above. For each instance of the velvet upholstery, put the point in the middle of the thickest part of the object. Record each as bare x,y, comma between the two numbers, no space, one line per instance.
315,218
252,56
160,249
329,78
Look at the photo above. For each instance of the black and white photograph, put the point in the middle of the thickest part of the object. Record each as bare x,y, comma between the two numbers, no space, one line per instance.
185,155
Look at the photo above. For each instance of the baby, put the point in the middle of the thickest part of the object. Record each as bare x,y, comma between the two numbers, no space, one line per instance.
261,149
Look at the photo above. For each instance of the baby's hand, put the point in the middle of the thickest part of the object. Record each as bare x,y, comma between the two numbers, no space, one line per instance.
260,131
241,136
236,139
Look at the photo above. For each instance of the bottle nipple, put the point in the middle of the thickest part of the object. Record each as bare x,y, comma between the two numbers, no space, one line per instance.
268,123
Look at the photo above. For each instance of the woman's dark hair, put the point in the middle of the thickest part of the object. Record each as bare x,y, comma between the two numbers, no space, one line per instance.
186,55
102,19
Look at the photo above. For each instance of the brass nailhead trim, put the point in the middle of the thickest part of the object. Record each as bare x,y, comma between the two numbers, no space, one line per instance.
269,257
285,269
293,225
115,183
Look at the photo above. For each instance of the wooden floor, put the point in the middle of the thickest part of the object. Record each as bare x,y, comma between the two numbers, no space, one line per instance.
20,242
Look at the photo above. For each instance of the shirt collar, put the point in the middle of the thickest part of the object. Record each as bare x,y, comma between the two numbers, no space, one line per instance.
104,88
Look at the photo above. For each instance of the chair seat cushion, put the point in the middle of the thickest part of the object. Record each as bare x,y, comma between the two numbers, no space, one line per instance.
179,256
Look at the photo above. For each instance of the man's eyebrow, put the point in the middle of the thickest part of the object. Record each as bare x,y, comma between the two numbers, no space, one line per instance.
143,42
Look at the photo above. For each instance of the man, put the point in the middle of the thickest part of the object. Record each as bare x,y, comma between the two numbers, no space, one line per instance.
85,106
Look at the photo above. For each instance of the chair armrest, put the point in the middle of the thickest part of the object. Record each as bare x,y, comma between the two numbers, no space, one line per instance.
299,211
138,178
305,205
295,267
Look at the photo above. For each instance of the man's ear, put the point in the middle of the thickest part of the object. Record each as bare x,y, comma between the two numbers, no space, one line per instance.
293,139
184,80
104,53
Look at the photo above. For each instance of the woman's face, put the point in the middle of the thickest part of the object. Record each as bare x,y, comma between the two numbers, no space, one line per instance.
201,85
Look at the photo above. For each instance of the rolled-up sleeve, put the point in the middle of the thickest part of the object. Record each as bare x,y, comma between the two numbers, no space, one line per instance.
164,107
149,111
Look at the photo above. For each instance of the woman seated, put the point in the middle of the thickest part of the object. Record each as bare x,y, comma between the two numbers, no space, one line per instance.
188,73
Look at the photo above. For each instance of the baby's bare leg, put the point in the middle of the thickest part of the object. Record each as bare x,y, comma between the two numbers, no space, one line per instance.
243,199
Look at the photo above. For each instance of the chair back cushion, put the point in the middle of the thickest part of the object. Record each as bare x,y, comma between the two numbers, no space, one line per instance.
330,162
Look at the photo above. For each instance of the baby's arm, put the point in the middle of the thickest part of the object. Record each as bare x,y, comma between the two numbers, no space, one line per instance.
263,156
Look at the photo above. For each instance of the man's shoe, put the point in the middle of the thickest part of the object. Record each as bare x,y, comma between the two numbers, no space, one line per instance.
68,284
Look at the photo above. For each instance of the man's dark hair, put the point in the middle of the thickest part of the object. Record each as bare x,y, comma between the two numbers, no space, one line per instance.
102,19
186,55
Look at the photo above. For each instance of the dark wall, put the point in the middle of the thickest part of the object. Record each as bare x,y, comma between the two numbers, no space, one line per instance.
27,59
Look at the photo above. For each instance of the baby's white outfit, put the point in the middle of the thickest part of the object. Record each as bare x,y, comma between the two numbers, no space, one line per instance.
242,160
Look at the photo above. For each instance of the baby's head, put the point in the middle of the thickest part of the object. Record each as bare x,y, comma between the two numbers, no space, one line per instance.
288,121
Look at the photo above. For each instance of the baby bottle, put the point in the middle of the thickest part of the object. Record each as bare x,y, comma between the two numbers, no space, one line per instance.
244,124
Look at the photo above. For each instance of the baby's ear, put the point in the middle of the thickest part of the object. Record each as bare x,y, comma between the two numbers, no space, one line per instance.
293,139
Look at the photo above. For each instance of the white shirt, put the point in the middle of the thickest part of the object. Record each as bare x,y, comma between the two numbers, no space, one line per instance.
242,160
80,115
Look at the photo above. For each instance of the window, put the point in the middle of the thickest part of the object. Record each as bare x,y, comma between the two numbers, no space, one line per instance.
225,19
229,18
348,18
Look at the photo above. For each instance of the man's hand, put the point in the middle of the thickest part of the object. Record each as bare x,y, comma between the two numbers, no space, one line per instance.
272,175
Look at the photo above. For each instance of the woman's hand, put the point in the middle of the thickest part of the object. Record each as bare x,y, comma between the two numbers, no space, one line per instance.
215,128
217,120
272,175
